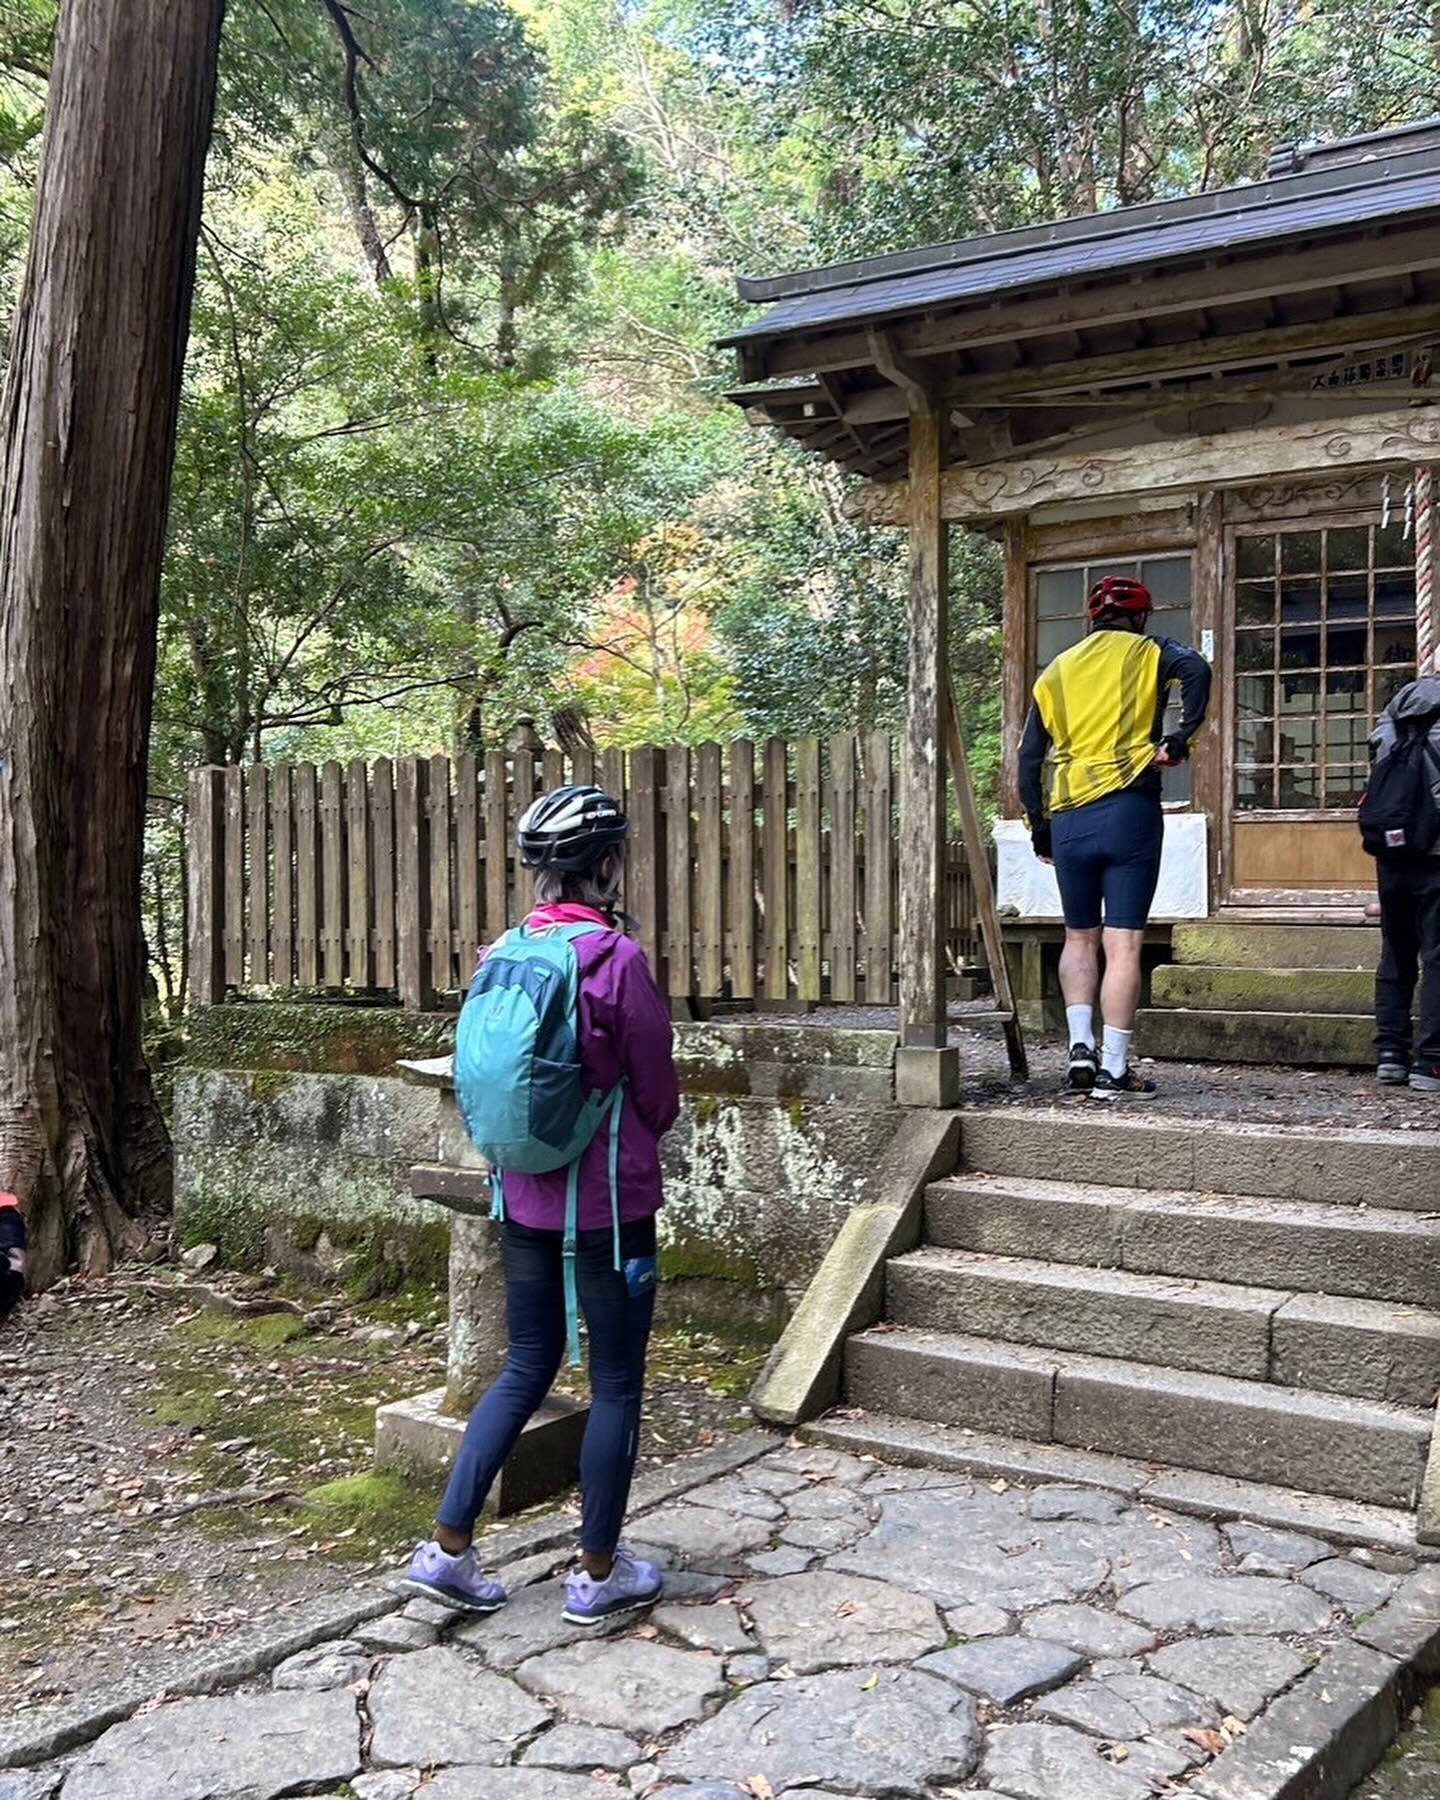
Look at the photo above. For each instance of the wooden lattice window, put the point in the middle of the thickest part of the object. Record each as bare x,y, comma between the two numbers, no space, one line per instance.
1324,639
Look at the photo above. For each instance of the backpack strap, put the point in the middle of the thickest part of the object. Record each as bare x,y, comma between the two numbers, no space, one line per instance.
497,1196
617,1103
572,1302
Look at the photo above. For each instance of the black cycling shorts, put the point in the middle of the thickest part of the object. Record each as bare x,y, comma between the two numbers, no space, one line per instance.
1107,860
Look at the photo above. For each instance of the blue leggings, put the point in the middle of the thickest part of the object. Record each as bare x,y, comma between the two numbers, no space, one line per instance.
618,1307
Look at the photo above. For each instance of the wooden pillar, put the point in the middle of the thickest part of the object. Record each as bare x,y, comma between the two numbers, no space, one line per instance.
922,804
1207,759
1015,661
206,875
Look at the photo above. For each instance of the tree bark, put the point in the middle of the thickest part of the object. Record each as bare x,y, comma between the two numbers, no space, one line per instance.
88,418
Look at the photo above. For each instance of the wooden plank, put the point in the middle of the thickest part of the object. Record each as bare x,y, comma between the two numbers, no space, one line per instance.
1254,277
467,865
382,868
1119,535
808,875
879,870
709,873
841,807
610,775
678,859
205,875
522,796
1207,772
644,887
1016,664
234,877
990,490
360,960
258,832
775,870
498,846
740,799
412,887
582,768
282,832
552,770
332,875
442,921
922,781
978,857
307,878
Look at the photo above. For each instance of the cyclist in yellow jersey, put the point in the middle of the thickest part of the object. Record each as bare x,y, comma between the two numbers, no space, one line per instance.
1099,716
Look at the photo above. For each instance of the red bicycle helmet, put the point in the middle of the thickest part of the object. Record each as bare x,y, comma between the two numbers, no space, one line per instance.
1119,594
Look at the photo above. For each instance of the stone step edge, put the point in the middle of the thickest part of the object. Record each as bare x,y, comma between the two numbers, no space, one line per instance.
919,1443
1328,1731
976,1184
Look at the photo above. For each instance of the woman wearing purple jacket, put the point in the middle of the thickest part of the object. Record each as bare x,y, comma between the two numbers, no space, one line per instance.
574,839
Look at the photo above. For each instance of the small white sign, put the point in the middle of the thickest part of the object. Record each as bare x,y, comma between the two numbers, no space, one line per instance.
1207,645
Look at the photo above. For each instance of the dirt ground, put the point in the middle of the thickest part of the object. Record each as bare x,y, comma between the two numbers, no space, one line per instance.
171,1467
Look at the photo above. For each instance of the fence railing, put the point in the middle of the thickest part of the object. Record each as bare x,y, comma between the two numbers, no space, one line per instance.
766,875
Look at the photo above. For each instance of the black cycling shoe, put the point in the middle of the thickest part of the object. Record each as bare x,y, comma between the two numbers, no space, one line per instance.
1128,1086
1084,1066
1392,1072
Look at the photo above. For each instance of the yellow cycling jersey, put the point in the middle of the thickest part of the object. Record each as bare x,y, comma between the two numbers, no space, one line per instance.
1099,701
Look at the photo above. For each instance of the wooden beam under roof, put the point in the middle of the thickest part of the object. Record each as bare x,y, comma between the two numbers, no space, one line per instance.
1297,269
991,490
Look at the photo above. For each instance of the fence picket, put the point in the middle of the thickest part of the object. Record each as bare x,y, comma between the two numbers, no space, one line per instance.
807,868
775,875
234,878
741,798
332,883
256,798
442,928
612,779
644,888
709,872
467,864
382,866
678,871
360,951
307,878
522,791
206,877
879,871
412,891
282,832
498,847
844,851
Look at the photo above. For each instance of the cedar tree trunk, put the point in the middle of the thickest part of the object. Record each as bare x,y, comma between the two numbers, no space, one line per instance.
87,430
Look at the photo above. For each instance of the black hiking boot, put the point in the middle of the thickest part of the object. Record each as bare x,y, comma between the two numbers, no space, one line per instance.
1084,1066
1128,1086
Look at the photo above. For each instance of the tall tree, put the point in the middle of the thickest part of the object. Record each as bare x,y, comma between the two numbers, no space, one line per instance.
88,421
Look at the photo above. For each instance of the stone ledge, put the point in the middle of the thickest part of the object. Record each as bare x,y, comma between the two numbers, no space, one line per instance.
545,1462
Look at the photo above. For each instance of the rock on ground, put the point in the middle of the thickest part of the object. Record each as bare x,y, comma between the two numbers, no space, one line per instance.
718,1628
629,1683
514,1784
581,1748
819,1621
1006,1670
860,1731
1245,1605
332,1665
261,1745
1240,1674
437,1706
1043,1762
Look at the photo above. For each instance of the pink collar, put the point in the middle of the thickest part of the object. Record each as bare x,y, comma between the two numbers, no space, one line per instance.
566,913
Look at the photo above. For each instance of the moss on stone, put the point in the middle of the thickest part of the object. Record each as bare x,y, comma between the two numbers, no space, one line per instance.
391,1505
264,1084
322,1039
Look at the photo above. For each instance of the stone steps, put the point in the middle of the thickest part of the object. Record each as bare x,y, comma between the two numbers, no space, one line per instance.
1239,944
1318,1040
982,1455
1246,1430
1120,1148
1217,988
1296,1246
1373,1350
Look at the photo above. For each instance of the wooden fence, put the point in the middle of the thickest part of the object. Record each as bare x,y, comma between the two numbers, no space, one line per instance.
767,876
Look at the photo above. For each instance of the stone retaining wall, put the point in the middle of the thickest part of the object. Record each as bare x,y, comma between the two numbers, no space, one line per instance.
281,1160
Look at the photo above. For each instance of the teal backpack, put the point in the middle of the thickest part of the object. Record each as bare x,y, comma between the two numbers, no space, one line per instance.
518,1078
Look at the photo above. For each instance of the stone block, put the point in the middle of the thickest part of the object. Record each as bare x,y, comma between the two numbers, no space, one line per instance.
1257,946
1005,1670
1286,1508
1257,1432
1210,989
1005,1216
986,1386
545,1462
1241,1675
1407,1627
1116,1152
322,1039
1370,1348
1104,1312
927,1078
1316,1040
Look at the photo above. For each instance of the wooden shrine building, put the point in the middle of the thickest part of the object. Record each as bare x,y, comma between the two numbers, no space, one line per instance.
1228,393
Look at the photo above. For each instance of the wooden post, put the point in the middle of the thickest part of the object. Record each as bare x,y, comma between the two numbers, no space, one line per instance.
206,876
922,791
979,860
1425,555
1015,661
1207,766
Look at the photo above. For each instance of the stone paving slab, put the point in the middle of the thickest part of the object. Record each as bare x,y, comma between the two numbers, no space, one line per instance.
952,1636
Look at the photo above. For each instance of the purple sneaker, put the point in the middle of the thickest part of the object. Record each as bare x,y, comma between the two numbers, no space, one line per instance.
457,1580
631,1584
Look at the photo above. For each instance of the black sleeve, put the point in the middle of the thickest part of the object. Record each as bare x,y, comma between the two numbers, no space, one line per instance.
1178,662
1034,748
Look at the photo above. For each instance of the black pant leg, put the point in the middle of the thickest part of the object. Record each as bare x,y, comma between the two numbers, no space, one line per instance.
1399,963
1427,932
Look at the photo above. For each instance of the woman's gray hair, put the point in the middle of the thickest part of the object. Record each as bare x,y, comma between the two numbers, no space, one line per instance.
600,887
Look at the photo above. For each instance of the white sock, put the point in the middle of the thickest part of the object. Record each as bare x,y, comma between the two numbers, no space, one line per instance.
1081,1020
1117,1051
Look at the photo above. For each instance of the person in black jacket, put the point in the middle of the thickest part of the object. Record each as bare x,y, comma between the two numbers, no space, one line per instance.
1409,917
12,1255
